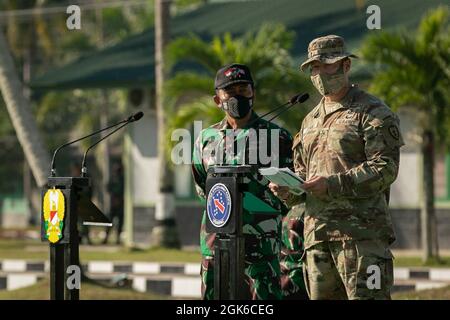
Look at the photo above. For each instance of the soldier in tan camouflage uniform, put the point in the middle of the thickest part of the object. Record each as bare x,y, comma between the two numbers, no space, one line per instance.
347,150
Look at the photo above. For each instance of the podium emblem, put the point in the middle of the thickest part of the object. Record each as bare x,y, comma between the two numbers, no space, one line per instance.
219,205
53,208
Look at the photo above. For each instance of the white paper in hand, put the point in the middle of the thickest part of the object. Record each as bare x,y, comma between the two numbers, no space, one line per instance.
284,177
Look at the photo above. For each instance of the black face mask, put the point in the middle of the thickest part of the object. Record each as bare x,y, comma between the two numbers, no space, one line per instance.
238,106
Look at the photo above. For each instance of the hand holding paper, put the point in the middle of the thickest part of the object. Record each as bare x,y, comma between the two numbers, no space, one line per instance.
284,177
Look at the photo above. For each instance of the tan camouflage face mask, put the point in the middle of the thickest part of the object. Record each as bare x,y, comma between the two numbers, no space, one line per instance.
329,83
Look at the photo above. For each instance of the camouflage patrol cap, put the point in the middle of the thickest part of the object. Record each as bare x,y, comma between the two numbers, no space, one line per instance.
327,49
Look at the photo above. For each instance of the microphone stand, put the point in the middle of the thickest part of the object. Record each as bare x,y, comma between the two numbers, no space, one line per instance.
282,111
53,171
59,223
83,164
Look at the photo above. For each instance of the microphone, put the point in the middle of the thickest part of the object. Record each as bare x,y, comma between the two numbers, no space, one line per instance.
292,100
298,98
137,116
132,118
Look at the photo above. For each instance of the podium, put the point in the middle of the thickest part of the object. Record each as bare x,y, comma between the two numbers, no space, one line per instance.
66,201
227,196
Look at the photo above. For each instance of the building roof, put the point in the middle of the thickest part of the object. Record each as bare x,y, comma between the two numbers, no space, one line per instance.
131,62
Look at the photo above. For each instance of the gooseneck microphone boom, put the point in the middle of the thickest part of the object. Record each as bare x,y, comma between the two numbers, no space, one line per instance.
298,98
131,118
135,117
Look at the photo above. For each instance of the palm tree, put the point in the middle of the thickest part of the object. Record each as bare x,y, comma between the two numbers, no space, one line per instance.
165,233
188,93
265,51
413,70
21,37
19,109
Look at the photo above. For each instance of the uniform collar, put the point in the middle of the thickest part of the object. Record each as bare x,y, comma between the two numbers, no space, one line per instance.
346,102
224,125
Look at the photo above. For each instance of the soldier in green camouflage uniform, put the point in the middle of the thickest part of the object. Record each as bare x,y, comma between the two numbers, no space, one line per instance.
292,249
212,147
347,150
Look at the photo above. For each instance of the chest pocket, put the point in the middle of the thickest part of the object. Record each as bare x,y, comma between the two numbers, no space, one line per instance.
309,137
212,154
345,136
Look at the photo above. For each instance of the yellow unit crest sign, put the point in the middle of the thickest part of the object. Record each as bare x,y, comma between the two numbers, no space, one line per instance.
54,206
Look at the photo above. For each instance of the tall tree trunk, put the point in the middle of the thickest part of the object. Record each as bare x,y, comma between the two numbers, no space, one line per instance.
104,162
105,150
165,232
428,219
30,190
19,110
27,178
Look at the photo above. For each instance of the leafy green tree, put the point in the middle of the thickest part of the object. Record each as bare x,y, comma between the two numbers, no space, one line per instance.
412,69
265,51
40,41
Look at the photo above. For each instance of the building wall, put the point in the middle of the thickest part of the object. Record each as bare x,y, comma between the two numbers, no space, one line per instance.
141,173
188,218
407,228
14,212
406,189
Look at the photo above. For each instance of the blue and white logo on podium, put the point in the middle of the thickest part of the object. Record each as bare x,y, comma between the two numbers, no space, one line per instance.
218,205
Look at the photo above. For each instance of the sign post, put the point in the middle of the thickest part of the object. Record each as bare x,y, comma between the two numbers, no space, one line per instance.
227,196
65,203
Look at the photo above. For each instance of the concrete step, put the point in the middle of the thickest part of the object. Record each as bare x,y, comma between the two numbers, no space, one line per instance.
432,274
106,267
174,285
179,280
12,281
438,274
417,285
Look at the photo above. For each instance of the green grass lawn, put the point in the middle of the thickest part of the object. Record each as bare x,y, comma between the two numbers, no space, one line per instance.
431,294
40,291
154,254
417,262
35,250
88,291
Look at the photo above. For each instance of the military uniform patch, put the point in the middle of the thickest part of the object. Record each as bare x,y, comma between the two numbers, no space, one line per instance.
393,130
219,205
